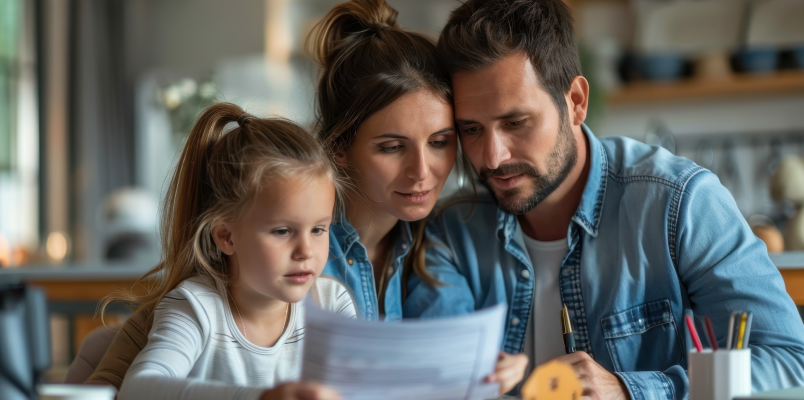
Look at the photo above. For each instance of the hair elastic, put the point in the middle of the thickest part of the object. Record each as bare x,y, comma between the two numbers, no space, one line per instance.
243,119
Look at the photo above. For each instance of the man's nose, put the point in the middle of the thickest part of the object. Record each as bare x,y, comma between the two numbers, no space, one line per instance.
495,150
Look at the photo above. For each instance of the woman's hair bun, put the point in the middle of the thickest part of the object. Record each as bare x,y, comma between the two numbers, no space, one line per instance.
353,18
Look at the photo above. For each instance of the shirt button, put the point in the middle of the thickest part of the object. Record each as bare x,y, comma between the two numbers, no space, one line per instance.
525,274
566,272
514,321
350,261
390,271
404,246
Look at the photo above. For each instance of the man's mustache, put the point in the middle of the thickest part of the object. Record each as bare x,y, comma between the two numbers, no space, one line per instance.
508,170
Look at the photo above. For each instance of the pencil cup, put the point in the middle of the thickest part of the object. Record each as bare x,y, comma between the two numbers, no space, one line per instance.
719,375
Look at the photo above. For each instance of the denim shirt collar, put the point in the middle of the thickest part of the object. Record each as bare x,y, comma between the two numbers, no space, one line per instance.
587,216
347,235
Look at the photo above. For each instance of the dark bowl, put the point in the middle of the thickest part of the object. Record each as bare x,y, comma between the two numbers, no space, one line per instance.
661,66
759,61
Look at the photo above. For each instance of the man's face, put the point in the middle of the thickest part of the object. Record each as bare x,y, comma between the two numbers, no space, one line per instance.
512,132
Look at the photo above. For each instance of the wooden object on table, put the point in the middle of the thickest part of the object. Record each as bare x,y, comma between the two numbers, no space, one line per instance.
552,381
771,236
794,283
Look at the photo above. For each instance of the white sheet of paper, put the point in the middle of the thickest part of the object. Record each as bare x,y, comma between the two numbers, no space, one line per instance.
413,359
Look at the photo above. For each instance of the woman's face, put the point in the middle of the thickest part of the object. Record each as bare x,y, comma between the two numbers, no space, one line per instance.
401,155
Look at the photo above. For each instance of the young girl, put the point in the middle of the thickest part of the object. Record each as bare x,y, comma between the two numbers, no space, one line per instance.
245,234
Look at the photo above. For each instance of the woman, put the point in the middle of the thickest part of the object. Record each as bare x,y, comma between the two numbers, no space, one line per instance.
385,116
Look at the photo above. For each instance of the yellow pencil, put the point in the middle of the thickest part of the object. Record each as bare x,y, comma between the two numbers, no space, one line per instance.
742,331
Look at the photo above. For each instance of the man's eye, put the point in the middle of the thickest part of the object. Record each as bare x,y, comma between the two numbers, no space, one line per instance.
516,123
471,129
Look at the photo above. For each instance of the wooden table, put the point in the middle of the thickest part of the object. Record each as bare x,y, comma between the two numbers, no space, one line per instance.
75,290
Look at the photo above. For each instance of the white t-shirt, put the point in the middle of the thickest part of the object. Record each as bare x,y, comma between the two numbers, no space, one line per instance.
196,351
544,340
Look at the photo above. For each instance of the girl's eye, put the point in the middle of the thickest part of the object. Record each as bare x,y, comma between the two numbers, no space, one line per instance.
319,231
282,231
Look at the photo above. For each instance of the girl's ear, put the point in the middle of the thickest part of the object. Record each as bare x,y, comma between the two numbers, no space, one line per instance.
222,236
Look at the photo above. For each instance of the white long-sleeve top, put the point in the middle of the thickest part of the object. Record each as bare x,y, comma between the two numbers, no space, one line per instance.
196,351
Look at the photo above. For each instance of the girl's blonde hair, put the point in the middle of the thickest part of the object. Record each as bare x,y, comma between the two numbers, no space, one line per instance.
218,173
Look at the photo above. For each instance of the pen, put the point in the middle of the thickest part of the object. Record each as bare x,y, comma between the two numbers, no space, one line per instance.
747,329
693,334
741,333
710,333
566,329
730,335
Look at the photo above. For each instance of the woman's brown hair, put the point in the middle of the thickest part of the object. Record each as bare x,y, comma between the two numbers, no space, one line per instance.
218,174
367,62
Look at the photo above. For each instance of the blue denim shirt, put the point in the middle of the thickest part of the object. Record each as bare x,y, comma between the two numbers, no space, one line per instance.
348,263
654,234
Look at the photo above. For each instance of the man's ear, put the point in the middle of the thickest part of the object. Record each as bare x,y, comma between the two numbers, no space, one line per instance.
578,100
222,236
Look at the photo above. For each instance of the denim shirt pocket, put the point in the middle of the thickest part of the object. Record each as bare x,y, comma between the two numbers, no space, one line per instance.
643,338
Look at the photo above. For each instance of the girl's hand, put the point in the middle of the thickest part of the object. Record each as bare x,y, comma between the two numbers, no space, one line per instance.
509,371
300,391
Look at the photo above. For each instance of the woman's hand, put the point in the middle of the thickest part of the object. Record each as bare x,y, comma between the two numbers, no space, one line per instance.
300,391
509,371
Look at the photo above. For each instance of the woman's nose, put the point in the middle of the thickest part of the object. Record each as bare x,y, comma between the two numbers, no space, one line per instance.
418,169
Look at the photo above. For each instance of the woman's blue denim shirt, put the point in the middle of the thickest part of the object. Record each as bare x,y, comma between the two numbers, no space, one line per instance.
654,235
349,264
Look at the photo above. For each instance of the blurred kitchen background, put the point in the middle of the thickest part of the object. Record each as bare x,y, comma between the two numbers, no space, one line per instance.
96,97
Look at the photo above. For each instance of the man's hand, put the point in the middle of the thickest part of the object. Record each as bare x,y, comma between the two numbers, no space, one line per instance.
300,391
596,381
509,371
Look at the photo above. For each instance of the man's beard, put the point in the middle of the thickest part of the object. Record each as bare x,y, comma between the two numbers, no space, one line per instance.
560,161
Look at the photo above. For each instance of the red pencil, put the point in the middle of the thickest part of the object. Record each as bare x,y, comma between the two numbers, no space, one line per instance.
695,339
711,333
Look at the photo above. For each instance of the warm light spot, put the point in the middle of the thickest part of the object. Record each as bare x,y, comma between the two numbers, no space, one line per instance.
5,252
57,246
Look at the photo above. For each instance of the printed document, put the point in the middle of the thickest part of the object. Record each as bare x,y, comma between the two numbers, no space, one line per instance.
434,359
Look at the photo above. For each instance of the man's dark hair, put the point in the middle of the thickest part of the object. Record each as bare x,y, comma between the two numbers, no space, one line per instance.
480,32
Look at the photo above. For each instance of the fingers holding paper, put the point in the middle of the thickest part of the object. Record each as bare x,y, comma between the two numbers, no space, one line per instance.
597,382
509,371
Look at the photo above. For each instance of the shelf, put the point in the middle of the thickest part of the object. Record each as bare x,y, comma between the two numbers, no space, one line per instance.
738,85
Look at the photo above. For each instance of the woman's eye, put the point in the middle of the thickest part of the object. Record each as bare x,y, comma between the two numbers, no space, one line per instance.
282,231
390,149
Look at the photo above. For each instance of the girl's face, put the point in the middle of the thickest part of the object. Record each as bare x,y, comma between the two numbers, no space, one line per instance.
280,243
401,155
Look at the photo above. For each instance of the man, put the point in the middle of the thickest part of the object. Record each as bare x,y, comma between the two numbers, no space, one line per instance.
625,235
